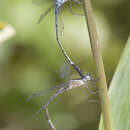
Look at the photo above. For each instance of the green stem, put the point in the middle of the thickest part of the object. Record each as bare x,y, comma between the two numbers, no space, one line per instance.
96,50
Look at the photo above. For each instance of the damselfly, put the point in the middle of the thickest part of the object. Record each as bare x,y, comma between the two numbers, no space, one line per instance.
58,4
74,83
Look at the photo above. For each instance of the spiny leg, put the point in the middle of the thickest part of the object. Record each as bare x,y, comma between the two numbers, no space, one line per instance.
94,81
63,51
70,6
45,13
93,93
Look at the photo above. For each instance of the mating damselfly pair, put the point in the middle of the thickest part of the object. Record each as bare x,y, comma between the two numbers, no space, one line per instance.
65,71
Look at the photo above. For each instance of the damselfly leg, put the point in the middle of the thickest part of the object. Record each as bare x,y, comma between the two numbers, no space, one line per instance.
70,7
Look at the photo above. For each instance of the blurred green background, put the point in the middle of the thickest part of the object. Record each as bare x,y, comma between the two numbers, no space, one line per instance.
30,62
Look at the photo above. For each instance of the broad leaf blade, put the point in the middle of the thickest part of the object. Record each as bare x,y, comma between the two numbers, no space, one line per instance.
120,93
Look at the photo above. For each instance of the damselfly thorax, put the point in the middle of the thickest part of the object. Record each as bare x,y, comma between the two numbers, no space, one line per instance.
60,2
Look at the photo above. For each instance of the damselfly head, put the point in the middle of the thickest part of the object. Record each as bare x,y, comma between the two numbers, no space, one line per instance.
88,77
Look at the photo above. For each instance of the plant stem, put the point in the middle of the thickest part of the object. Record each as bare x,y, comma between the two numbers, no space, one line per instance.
96,50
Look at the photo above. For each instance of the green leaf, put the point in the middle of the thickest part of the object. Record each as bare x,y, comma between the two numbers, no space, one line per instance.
120,93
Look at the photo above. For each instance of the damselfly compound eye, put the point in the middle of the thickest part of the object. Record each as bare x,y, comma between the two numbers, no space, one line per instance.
88,77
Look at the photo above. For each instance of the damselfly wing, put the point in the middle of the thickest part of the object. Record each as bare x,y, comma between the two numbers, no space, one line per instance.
64,74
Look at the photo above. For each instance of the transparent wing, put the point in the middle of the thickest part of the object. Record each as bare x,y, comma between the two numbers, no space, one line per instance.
45,13
45,91
39,2
65,71
60,22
